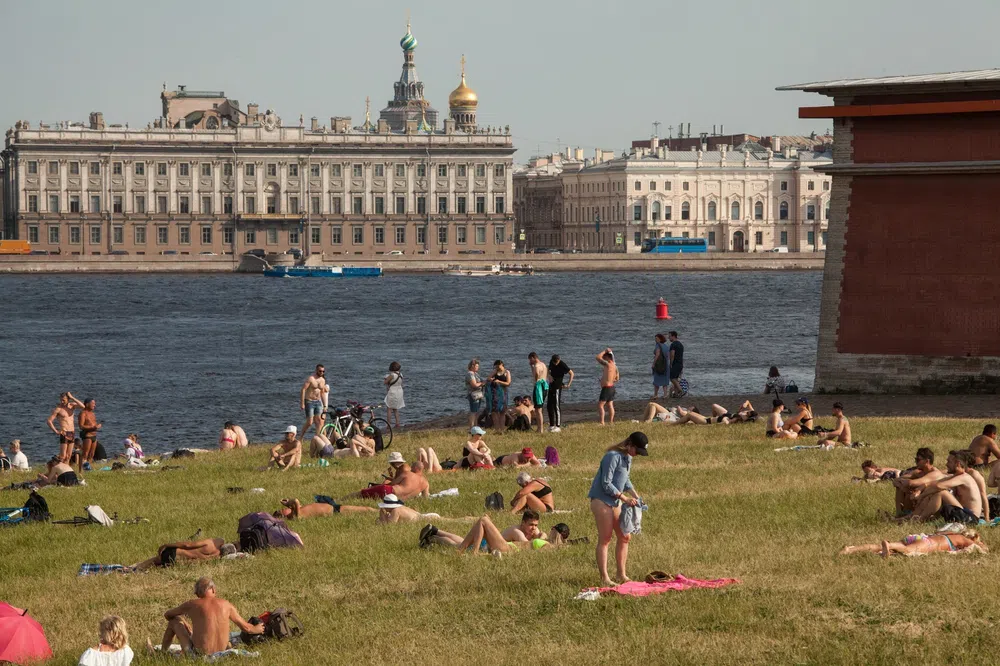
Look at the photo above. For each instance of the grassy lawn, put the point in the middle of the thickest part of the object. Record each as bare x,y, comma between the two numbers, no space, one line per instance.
722,504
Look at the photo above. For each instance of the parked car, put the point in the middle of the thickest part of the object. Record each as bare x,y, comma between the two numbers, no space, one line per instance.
257,252
207,253
472,252
295,252
170,252
395,253
39,252
118,252
576,250
781,250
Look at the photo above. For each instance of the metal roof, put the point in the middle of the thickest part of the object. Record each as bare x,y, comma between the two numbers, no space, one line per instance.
972,76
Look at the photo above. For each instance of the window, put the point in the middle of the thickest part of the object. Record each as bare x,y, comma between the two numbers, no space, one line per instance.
400,171
823,235
421,205
400,205
335,171
734,211
118,235
811,238
32,203
74,235
480,235
400,235
668,212
140,203
95,170
810,212
161,168
784,186
783,211
498,205
251,206
359,206
711,238
638,186
183,169
711,210
480,171
53,203
206,205
498,171
314,205
95,204
421,235
655,209
95,236
293,205
33,233
293,236
461,171
461,235
686,234
54,168
784,238
140,234
357,170
227,170
206,235
315,236
811,185
227,205
442,204
206,169
637,213
272,170
421,171
33,170
481,205
116,203
380,205
652,186
358,234
336,235
499,235
293,170
74,169
758,210
442,170
250,237
314,171
826,186
139,169
637,238
185,205
249,170
380,171
184,235
227,235
53,235
759,237
442,235
668,186
161,204
685,211
272,205
271,236
685,186
826,213
336,206
161,235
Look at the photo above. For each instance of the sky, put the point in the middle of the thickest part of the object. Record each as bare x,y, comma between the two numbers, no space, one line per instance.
559,72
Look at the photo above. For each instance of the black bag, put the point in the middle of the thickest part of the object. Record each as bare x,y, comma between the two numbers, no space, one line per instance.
449,464
379,444
281,624
38,508
494,502
791,387
521,424
253,539
660,365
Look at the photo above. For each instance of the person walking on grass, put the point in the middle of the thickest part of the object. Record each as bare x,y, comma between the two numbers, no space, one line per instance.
557,375
609,376
661,366
394,392
676,350
540,392
607,494
474,387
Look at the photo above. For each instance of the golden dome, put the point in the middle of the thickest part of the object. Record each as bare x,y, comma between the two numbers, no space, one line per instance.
463,95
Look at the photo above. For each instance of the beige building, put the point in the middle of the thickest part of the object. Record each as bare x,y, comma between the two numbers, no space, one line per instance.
209,176
747,199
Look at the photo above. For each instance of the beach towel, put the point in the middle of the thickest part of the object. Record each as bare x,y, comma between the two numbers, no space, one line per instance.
103,569
801,447
450,492
642,589
231,652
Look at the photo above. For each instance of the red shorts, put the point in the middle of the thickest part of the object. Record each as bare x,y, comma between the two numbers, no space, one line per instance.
376,492
480,466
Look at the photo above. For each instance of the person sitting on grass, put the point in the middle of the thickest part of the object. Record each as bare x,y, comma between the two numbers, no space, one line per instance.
323,506
775,426
361,445
958,497
485,537
168,554
525,457
985,445
911,482
112,648
475,454
921,544
227,437
207,630
841,433
288,452
391,510
57,473
534,494
521,415
404,482
873,473
802,422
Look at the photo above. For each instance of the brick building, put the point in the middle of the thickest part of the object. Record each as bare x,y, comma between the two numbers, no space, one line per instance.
911,276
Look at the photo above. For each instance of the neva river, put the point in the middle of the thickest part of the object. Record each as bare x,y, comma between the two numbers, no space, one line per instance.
172,357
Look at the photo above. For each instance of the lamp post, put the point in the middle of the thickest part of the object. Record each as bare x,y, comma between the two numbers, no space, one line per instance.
597,227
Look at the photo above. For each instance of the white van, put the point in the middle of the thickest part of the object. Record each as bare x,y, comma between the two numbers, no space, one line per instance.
783,249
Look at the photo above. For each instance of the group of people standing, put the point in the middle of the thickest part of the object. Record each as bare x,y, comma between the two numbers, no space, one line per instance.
490,396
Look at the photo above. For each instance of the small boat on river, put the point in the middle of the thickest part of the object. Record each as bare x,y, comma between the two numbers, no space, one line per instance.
323,271
514,270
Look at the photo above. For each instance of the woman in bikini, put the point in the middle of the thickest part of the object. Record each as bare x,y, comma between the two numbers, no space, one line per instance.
775,426
802,422
228,437
486,537
921,544
534,494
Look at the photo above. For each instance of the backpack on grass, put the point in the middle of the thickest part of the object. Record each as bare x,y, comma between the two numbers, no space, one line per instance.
279,624
494,502
260,531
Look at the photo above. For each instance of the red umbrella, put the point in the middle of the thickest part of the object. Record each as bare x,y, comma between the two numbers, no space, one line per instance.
22,639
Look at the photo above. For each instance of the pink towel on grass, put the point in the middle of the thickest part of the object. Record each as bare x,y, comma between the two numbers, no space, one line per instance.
641,589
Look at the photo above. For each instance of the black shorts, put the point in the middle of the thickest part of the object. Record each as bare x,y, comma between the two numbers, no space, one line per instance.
958,514
68,479
675,371
167,557
607,394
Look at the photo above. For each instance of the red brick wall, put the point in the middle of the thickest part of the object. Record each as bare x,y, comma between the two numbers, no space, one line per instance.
921,271
959,138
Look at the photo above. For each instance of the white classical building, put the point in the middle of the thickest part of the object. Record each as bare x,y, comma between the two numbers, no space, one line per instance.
746,199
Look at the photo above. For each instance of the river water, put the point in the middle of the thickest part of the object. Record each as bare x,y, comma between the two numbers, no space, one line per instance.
172,357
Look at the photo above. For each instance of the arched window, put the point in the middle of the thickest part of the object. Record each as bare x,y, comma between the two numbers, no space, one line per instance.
711,210
758,210
656,211
783,211
734,211
685,211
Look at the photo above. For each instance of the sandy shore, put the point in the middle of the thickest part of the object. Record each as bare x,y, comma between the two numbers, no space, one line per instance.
918,406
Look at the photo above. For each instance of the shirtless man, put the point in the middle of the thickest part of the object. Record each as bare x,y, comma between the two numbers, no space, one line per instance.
313,399
88,432
403,481
841,433
526,530
911,482
958,497
169,553
486,537
208,630
985,445
61,423
323,506
288,452
609,376
58,473
392,511
540,392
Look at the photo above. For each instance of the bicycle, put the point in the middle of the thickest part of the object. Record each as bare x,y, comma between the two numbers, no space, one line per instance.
345,422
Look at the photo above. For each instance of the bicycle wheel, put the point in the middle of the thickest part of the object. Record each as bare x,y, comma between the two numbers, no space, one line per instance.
384,428
330,431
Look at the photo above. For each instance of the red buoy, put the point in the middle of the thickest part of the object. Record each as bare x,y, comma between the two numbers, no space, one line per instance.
662,311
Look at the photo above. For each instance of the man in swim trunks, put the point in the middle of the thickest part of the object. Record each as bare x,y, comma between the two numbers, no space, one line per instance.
392,511
841,433
958,497
208,629
313,398
411,482
88,433
609,376
540,374
525,457
911,482
526,530
323,506
985,445
169,553
60,422
288,452
57,473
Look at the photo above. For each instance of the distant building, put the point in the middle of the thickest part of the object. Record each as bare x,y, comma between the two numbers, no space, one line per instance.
749,199
817,143
211,176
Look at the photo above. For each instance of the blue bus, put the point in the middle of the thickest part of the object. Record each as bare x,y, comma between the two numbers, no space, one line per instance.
674,245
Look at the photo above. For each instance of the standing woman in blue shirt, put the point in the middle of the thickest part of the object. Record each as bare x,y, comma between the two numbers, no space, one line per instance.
607,493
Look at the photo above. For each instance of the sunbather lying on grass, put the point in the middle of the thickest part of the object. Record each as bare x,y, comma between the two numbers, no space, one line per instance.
921,544
323,506
486,537
205,549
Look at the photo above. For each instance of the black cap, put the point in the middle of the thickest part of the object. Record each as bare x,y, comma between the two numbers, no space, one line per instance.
639,441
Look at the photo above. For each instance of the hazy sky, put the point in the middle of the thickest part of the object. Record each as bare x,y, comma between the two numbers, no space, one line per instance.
582,73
